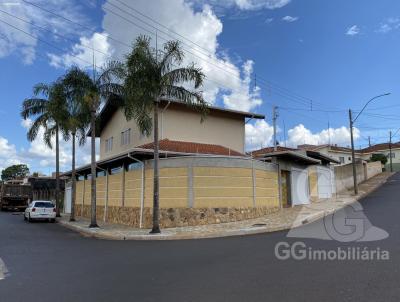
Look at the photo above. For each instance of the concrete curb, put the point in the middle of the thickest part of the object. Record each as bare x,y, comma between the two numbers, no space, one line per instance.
106,235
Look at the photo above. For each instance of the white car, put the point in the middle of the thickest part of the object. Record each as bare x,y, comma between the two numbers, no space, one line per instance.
40,209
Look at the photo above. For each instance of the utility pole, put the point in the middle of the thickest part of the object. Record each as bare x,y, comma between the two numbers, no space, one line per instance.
369,141
353,154
390,151
274,118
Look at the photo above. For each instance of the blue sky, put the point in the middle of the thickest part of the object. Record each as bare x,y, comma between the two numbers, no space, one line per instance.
333,54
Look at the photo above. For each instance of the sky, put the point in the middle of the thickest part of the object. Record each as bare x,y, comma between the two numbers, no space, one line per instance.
312,59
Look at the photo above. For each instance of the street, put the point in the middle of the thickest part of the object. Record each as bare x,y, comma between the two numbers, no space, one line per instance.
46,262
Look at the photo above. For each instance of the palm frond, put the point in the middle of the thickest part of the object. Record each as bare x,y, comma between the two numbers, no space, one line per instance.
185,74
32,107
173,55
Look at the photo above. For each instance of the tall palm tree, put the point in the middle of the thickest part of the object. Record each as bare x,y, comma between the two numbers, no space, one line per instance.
93,91
77,121
150,76
49,113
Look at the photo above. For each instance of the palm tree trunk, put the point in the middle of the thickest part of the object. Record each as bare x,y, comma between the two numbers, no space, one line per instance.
73,176
58,210
156,186
93,220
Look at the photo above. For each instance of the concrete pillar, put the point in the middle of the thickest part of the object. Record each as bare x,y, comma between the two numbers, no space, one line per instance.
253,176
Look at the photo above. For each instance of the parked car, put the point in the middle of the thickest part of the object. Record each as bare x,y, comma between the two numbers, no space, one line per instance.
40,210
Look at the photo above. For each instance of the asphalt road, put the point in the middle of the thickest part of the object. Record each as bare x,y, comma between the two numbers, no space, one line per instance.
49,263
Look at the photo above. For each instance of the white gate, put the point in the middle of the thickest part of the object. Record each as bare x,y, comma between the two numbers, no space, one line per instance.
67,200
325,182
300,187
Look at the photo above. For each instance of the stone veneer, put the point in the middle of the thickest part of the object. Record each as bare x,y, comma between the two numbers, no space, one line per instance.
175,217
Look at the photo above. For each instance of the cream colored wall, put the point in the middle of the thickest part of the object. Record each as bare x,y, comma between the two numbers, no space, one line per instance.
219,130
212,187
177,124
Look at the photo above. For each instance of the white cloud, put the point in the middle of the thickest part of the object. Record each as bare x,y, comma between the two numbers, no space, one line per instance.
301,135
388,25
14,41
82,53
290,19
246,4
223,78
353,30
245,98
8,154
258,135
269,20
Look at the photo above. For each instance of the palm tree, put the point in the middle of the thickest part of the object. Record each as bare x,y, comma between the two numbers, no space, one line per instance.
77,121
50,114
150,76
93,91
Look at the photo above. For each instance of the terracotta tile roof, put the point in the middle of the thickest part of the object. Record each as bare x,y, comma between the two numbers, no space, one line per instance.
380,147
309,147
191,147
270,150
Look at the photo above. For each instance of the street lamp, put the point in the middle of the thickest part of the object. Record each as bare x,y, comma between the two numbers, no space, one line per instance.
352,139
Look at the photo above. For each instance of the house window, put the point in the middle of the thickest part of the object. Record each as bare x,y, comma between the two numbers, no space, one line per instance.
109,144
126,137
349,158
393,155
341,159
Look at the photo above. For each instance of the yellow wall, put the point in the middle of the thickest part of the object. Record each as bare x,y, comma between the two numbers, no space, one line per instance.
133,186
313,181
173,188
214,187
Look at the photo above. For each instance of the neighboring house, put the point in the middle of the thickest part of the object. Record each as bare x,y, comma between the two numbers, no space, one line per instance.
385,150
177,122
342,154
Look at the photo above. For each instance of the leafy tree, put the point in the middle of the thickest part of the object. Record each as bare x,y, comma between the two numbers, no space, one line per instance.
92,92
14,172
48,108
379,157
150,76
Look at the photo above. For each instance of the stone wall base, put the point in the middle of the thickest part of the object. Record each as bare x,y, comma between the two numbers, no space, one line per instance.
175,217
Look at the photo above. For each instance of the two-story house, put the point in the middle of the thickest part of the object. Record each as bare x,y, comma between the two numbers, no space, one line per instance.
177,122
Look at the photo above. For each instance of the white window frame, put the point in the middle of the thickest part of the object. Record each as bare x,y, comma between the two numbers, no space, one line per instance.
109,144
126,137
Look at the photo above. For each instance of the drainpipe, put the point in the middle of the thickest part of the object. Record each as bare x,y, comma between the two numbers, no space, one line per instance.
106,194
162,119
142,191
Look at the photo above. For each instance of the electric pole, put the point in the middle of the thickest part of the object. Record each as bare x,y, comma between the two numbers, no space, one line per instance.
274,118
369,141
390,151
353,154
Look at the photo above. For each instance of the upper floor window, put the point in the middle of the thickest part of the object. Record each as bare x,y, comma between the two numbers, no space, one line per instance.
109,144
393,155
341,159
126,137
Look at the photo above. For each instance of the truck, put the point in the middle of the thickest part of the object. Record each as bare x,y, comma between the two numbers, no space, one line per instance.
15,196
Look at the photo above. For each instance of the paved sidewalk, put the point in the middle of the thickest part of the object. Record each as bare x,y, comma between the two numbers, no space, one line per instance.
281,220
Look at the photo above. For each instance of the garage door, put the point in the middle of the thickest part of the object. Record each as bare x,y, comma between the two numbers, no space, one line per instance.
300,187
325,182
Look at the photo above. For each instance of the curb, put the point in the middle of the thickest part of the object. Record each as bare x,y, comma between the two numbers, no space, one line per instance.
85,232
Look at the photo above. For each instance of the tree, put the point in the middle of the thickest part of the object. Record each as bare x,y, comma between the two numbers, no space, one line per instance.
49,113
77,121
93,91
14,172
149,77
379,157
